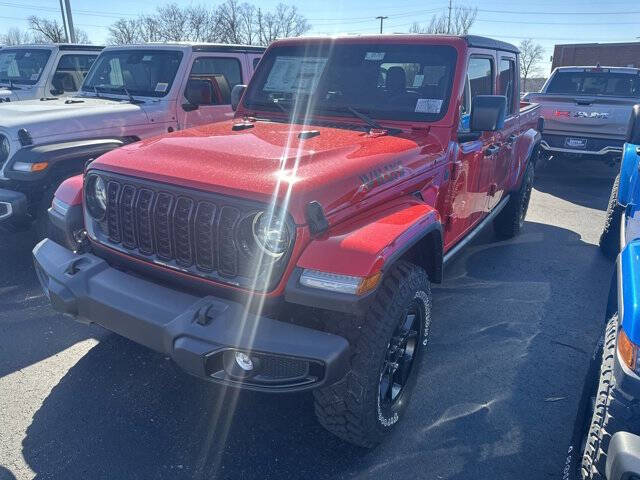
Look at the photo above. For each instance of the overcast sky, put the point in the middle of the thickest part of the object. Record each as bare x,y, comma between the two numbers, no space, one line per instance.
547,21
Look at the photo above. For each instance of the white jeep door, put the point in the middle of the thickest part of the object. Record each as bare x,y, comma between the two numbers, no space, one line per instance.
206,94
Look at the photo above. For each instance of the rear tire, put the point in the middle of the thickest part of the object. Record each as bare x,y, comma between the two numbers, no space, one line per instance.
510,220
367,403
610,237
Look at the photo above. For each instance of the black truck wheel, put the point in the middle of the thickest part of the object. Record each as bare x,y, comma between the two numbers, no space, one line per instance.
610,237
365,405
612,412
510,220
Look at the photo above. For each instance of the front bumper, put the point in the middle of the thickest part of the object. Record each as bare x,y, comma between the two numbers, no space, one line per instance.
13,205
201,334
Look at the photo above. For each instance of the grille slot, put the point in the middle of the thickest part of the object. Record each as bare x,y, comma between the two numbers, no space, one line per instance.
127,214
113,212
228,253
205,235
145,228
162,220
182,217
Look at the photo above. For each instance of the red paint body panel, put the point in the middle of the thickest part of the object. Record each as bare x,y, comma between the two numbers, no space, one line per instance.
360,247
377,191
70,191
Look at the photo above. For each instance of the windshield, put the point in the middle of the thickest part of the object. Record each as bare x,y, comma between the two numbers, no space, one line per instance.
603,83
385,81
149,73
22,66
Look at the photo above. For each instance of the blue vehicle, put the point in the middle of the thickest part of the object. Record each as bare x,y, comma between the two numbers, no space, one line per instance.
617,398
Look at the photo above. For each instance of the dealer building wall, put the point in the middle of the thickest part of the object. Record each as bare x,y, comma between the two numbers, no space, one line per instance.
606,54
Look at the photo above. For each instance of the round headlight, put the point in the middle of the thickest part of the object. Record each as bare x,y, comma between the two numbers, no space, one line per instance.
96,193
271,233
4,149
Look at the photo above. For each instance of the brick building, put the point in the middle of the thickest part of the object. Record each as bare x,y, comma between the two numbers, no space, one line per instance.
606,54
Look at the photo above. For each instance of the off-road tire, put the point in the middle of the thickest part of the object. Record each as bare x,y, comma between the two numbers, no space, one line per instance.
612,412
610,237
351,408
510,220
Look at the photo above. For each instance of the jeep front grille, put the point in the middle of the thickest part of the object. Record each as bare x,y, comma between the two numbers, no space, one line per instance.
180,228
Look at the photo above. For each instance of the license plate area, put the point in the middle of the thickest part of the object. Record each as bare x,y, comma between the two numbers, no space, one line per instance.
576,143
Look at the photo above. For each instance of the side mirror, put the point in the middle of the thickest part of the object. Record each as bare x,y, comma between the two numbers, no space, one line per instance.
488,113
236,96
623,457
56,91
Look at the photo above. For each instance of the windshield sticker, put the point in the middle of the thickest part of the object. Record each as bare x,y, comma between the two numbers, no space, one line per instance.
428,105
27,55
146,58
417,81
295,74
374,56
161,87
34,76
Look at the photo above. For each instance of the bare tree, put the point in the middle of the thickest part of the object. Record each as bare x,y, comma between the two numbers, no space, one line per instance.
15,36
230,22
49,30
530,57
462,19
125,30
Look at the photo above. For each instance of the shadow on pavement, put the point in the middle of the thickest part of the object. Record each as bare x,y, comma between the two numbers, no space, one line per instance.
5,474
586,182
513,327
30,330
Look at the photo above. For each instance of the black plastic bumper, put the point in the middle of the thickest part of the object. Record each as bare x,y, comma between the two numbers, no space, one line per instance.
13,206
65,220
201,334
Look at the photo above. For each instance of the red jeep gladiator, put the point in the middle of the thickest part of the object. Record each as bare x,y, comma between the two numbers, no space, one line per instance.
293,247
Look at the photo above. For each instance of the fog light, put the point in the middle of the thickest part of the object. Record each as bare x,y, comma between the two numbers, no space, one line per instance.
244,361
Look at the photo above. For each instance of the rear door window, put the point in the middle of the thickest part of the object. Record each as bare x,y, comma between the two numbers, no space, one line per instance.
507,83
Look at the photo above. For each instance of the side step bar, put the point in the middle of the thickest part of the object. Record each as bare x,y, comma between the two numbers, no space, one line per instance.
481,226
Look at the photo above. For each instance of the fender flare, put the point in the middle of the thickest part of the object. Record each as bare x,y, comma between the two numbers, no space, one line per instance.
366,246
629,175
57,153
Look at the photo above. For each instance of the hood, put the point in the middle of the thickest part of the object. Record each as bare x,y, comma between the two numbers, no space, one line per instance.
335,167
46,118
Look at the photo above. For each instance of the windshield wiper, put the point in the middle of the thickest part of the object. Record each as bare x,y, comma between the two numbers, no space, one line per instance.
11,86
365,118
131,99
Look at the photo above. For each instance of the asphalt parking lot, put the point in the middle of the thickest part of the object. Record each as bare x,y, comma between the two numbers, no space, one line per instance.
514,326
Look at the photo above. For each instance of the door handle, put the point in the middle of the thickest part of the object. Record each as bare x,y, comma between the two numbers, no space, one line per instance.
491,150
512,138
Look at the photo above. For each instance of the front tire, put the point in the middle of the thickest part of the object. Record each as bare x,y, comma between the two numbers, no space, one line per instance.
612,412
364,407
510,220
610,237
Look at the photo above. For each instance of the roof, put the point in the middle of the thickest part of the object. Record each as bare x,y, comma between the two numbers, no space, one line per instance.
195,46
61,46
605,44
470,40
582,68
485,42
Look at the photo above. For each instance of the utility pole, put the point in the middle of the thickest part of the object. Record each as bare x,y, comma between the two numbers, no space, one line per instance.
72,32
449,21
381,18
64,22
